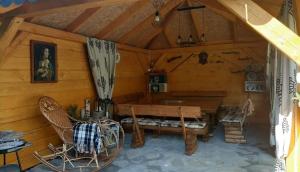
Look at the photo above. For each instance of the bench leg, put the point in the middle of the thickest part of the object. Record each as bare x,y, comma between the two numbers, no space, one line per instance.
191,143
136,142
205,138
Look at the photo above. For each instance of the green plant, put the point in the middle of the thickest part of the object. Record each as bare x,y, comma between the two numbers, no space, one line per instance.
72,110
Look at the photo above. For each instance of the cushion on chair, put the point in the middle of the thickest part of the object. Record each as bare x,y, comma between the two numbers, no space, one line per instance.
148,121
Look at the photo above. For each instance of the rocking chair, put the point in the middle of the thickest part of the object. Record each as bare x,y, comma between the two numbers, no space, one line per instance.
67,155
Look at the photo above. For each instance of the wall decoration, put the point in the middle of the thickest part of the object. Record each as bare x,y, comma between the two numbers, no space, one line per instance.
158,82
43,62
255,78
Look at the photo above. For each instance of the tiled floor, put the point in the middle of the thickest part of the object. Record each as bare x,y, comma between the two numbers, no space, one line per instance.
166,154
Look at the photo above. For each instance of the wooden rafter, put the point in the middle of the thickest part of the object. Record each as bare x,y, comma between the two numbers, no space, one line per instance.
267,26
60,34
47,7
8,32
81,19
148,41
10,49
105,32
148,21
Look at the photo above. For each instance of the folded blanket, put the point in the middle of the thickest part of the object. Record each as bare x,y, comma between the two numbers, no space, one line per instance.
86,138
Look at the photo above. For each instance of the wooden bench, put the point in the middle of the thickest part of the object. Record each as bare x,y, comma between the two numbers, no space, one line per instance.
190,129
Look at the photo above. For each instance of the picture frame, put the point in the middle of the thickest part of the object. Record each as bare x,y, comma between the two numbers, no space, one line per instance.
43,62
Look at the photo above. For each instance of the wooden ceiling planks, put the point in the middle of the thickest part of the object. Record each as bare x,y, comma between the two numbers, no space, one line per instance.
125,21
81,19
104,33
148,22
58,20
102,18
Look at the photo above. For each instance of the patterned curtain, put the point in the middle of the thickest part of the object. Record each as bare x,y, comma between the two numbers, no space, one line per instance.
281,82
103,57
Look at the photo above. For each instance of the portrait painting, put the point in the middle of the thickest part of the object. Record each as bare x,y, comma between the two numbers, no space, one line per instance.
43,62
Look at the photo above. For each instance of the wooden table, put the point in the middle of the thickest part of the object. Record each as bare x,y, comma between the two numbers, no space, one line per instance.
209,106
14,149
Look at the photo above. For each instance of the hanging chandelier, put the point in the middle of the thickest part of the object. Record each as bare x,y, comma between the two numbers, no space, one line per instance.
157,4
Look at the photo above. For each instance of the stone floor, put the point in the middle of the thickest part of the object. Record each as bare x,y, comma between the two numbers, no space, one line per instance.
166,154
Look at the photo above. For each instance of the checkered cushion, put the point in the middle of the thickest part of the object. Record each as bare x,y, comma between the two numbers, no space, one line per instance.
165,123
194,124
170,123
142,121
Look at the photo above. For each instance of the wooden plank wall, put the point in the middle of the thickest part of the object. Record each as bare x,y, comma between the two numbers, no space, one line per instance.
224,71
19,97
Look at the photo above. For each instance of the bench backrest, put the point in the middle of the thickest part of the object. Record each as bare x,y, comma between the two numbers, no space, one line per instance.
159,110
128,98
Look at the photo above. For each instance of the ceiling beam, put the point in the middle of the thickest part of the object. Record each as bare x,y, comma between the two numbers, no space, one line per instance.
125,16
7,34
41,8
297,14
211,46
60,34
267,26
148,21
81,19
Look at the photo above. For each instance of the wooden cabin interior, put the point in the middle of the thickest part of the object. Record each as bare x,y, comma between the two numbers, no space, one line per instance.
233,35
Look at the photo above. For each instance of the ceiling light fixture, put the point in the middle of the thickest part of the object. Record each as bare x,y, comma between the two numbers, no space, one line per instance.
157,4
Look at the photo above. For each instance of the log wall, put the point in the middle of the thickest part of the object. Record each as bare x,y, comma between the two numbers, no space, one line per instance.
19,97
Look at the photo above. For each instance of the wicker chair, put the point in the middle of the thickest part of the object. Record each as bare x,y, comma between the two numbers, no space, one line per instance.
69,157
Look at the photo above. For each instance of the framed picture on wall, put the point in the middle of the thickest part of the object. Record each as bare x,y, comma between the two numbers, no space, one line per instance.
43,62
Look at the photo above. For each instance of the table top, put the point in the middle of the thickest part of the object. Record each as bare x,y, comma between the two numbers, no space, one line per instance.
206,105
15,149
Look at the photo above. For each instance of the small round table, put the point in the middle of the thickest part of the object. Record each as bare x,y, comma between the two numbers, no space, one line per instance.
14,149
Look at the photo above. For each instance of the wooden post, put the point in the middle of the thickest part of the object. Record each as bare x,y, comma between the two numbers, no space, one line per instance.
267,26
293,158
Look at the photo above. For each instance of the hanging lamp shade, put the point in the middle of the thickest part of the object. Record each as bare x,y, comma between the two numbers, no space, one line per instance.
203,56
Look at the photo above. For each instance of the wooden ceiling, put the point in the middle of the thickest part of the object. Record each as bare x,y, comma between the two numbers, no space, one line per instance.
130,21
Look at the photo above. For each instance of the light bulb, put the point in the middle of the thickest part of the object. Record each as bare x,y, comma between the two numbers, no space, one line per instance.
157,17
179,39
191,39
203,38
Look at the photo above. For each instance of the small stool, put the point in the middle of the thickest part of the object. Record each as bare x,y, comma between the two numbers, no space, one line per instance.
233,126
